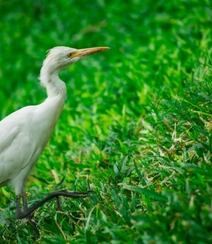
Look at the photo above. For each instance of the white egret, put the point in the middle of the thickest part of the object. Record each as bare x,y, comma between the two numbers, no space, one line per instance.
25,133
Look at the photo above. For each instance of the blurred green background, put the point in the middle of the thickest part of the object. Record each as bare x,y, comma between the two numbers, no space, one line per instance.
146,38
136,122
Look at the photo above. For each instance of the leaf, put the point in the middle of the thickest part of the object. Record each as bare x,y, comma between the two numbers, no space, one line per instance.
152,194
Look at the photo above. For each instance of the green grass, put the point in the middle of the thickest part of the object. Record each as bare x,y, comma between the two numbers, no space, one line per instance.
136,127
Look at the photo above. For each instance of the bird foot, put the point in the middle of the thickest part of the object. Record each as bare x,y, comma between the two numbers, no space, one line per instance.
64,193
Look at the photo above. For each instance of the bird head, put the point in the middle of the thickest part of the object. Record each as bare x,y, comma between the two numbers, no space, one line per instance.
61,57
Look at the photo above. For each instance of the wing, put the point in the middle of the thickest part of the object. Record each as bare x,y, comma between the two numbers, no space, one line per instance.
16,146
23,136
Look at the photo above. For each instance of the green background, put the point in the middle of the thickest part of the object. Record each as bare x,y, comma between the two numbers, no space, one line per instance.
136,126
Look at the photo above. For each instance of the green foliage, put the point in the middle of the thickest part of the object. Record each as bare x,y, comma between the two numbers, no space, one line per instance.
136,127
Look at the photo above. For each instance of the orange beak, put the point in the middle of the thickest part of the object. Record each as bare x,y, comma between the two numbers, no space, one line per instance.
88,51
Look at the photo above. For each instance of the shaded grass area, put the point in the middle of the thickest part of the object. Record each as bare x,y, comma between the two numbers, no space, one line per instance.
136,127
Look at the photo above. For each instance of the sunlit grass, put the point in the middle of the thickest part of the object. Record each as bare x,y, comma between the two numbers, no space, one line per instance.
136,127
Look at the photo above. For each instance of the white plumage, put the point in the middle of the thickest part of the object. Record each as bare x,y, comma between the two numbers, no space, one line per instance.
25,133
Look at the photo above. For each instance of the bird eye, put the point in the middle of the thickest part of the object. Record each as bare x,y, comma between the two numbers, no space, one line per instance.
70,55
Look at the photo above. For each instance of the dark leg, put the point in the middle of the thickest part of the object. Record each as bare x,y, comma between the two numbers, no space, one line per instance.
18,207
58,203
26,213
29,217
24,198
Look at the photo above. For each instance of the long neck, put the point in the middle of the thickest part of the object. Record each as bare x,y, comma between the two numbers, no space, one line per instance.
52,107
53,84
